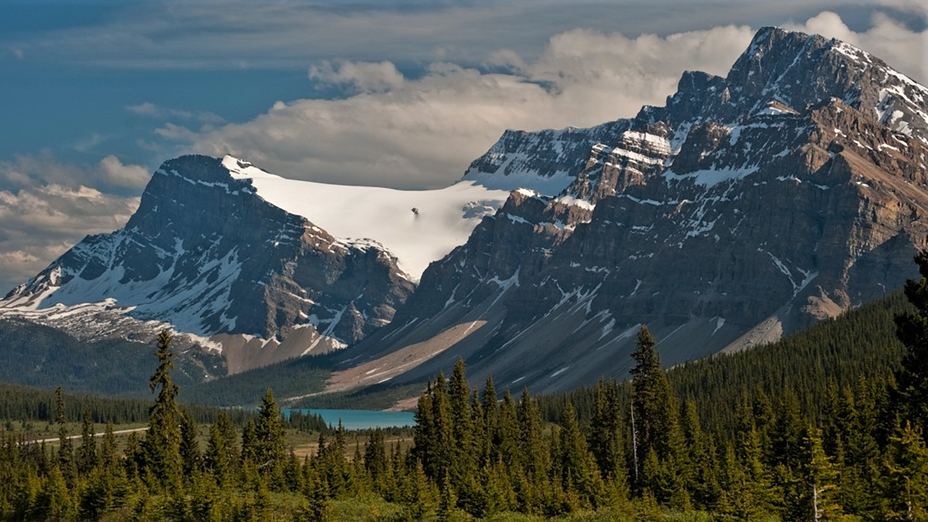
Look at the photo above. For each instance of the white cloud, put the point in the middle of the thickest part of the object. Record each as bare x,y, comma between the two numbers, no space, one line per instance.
424,132
405,132
45,169
902,48
41,222
48,205
120,175
362,76
152,110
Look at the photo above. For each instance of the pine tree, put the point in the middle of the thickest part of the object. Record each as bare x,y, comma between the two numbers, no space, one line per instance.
463,449
250,443
912,330
375,458
87,457
189,446
657,424
821,480
221,453
109,455
442,434
270,446
162,440
490,411
534,456
606,433
65,449
506,437
905,472
575,463
54,500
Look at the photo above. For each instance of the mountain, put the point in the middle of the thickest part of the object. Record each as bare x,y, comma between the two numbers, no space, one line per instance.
747,207
247,263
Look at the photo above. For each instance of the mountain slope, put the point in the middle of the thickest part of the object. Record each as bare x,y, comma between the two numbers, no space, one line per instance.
748,207
224,251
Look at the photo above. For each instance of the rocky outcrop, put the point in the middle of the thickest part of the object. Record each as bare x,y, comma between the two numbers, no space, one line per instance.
746,207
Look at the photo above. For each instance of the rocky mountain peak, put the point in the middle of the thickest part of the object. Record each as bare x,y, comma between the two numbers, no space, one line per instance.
207,255
748,206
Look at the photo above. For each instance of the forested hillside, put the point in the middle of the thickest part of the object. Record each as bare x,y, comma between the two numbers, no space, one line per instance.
824,425
39,355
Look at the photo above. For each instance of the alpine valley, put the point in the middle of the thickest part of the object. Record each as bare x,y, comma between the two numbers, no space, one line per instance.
747,207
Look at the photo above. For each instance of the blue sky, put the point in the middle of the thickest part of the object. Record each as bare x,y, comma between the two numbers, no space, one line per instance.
94,95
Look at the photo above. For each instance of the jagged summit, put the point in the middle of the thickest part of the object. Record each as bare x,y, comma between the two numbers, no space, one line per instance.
748,206
222,249
781,74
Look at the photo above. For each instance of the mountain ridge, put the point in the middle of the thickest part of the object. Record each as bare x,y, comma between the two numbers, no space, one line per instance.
748,206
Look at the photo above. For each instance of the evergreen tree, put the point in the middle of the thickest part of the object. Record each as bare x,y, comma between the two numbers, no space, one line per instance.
441,440
490,410
506,436
221,453
739,500
905,472
375,457
912,330
657,425
189,446
54,500
821,480
250,443
109,455
606,433
575,463
463,449
270,447
87,457
162,440
65,449
534,457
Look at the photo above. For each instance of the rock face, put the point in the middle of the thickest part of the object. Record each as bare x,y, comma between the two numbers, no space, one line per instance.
205,254
747,207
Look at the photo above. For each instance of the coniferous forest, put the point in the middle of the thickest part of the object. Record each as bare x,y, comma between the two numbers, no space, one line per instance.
826,425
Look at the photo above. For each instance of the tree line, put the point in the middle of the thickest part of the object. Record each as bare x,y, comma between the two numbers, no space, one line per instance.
645,449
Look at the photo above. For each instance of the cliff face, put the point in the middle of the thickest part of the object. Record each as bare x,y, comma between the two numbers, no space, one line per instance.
205,254
747,207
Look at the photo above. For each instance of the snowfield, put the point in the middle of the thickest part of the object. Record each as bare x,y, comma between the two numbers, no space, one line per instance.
358,214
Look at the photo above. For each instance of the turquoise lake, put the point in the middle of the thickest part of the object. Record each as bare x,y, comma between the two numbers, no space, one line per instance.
363,419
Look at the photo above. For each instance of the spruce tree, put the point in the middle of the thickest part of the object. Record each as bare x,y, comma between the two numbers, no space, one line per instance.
189,446
657,425
912,330
221,453
534,457
109,455
821,480
162,440
375,458
606,433
87,457
463,449
270,445
506,437
65,448
905,472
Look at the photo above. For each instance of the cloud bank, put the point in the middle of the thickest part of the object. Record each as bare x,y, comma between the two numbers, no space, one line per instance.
423,132
392,124
49,206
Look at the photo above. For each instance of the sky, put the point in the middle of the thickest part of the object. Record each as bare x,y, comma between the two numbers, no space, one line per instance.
94,95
